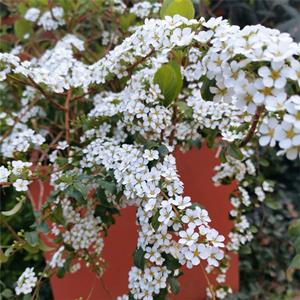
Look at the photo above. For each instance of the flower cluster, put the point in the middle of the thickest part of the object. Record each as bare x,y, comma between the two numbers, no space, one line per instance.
26,282
49,20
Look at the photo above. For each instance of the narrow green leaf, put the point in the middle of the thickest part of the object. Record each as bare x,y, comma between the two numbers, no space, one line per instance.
154,222
234,151
138,258
13,211
171,262
295,264
205,89
174,285
3,257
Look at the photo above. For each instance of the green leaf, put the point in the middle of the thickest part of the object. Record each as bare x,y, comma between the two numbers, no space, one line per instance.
154,222
169,79
245,249
3,257
60,273
151,145
174,285
22,8
162,295
76,194
81,188
32,238
211,137
234,151
171,262
127,20
295,264
43,227
130,297
264,162
183,8
184,109
294,229
163,150
296,244
138,258
14,210
108,186
205,89
272,203
22,27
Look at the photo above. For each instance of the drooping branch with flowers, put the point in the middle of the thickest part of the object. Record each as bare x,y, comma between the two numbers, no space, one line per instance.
172,83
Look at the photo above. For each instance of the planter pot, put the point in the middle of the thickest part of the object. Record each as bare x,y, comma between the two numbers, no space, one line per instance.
196,170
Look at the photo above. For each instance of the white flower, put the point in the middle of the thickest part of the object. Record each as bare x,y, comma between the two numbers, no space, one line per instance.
293,108
267,131
57,261
264,93
19,166
196,252
182,202
26,282
287,135
21,185
188,237
214,256
48,22
182,37
151,155
276,75
62,145
4,173
203,36
260,193
32,14
214,237
294,73
213,22
291,153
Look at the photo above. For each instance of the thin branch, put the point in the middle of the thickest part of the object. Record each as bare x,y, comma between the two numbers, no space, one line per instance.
210,286
174,121
39,88
254,123
139,61
67,115
3,222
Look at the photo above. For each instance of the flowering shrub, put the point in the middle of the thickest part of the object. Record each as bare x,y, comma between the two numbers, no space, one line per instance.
103,124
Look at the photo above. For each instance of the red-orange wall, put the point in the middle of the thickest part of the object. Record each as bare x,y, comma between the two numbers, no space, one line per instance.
196,170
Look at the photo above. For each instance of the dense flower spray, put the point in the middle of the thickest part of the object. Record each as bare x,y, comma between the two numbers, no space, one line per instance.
171,83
